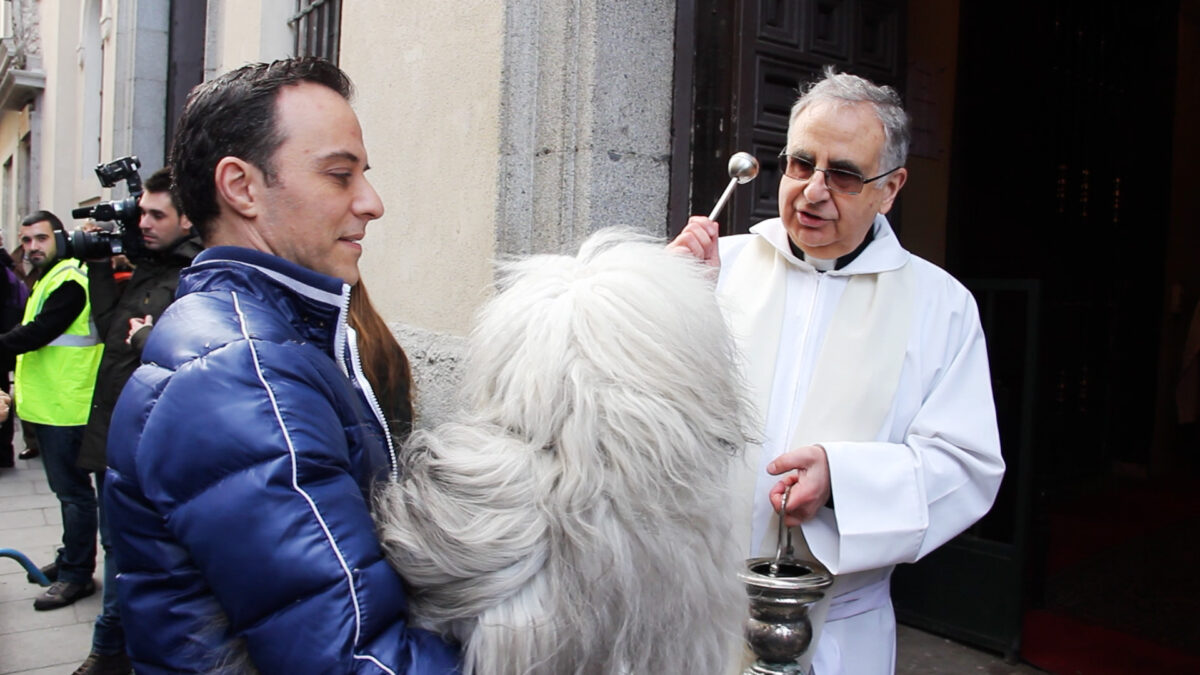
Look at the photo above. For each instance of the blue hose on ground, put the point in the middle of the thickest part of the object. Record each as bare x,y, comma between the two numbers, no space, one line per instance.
35,574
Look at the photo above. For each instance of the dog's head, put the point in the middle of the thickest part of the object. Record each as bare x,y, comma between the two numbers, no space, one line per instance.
625,335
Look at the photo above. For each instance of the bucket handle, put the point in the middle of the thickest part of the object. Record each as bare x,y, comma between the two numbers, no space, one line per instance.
785,533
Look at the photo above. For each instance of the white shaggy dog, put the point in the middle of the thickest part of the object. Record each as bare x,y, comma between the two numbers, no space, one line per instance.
574,518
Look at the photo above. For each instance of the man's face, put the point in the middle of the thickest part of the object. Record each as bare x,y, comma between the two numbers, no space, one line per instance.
161,224
38,241
316,209
827,224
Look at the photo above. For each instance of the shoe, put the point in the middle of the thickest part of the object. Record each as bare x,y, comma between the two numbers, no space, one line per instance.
63,593
105,664
51,572
29,453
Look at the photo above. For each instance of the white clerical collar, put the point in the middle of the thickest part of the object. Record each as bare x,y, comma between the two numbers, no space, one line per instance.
821,264
884,252
826,264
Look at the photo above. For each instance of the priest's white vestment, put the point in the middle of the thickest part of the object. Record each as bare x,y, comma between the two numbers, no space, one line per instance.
905,384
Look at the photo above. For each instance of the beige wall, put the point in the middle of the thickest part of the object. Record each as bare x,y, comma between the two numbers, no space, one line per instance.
932,67
60,23
13,126
428,95
66,178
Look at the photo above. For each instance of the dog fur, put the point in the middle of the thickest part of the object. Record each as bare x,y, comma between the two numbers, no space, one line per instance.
574,518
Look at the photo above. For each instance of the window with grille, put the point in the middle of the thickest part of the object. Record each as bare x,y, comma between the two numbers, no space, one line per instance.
317,25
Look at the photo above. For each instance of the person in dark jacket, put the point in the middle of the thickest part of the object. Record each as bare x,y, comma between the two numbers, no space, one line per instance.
124,314
242,452
13,293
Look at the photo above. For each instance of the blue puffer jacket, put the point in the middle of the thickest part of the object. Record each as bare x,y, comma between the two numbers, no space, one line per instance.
240,461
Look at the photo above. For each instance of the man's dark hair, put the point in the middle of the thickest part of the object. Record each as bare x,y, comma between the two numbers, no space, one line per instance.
160,181
234,116
39,216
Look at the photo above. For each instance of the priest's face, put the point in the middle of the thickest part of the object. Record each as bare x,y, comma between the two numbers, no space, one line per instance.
822,222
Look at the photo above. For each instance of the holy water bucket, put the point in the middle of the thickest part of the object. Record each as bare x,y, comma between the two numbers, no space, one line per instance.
789,599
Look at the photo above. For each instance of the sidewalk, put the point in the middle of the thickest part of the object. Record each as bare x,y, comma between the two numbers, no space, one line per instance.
32,642
920,653
56,642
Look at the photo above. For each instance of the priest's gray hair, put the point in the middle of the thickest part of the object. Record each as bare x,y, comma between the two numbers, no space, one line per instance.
575,516
845,88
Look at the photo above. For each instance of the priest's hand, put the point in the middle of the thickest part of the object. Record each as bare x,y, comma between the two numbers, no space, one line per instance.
699,240
807,471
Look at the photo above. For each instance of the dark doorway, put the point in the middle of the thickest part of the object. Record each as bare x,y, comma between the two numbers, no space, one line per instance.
1051,182
1061,182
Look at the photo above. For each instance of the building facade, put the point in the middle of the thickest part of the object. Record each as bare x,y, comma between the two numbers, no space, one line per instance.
490,125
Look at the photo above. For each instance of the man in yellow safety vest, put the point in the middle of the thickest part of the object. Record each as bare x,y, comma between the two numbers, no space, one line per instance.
58,352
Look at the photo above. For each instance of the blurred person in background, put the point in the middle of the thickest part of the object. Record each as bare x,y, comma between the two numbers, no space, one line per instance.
27,274
13,294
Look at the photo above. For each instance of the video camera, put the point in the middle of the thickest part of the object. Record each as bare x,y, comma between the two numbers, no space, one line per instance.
126,237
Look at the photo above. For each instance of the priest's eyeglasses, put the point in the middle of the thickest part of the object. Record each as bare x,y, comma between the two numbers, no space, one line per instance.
837,180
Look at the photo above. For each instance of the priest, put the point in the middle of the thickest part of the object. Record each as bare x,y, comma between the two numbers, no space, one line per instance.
867,366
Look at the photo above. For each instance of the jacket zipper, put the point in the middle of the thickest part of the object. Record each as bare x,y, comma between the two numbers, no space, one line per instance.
372,400
345,335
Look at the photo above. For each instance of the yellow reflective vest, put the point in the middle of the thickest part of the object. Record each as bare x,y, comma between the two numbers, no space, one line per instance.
53,384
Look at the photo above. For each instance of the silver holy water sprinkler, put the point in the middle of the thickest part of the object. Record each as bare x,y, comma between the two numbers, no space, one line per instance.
743,168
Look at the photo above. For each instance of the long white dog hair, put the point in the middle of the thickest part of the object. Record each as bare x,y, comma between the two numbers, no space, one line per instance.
575,517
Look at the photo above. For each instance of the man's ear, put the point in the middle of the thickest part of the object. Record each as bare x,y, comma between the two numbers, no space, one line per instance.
238,185
185,224
891,188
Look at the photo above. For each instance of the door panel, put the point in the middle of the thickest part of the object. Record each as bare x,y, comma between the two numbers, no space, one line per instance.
752,56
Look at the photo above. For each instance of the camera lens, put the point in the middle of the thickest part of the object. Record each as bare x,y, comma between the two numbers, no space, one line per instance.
92,245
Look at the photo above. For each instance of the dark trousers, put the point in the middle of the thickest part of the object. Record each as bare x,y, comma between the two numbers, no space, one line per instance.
73,487
108,637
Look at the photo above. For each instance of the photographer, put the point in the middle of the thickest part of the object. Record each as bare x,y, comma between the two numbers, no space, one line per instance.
123,318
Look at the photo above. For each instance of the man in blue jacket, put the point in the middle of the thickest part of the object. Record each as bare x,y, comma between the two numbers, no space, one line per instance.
242,452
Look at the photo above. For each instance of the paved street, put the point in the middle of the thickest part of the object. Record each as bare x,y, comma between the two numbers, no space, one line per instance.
31,642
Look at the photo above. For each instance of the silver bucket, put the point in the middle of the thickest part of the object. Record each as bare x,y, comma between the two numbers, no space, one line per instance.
789,599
